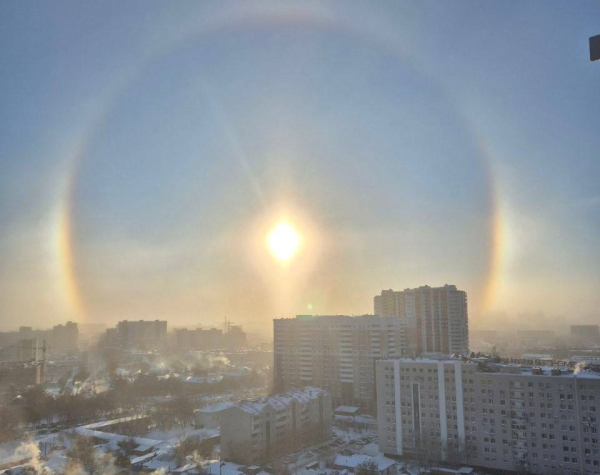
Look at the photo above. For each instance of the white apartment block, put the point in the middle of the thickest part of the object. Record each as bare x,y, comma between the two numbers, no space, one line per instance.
505,417
436,318
336,353
255,432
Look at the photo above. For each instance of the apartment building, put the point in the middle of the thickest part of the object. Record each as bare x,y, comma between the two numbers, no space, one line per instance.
255,432
436,318
585,334
336,353
65,338
141,334
506,417
207,339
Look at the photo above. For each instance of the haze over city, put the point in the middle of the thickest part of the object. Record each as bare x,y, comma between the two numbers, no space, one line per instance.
150,150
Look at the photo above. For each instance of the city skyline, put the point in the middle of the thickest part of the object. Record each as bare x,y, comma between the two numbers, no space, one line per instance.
149,152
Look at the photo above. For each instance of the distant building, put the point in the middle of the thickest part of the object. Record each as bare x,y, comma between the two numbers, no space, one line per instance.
140,335
336,353
255,432
585,333
198,339
65,338
28,350
535,336
234,338
536,420
10,341
210,339
436,318
21,374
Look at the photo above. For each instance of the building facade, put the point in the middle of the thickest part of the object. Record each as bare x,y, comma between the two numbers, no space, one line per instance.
255,432
210,339
585,333
141,334
336,353
65,338
505,417
436,318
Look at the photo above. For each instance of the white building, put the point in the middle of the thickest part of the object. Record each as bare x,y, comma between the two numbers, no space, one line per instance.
505,417
436,318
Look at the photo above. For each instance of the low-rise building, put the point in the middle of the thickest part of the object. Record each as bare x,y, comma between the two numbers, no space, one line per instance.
254,432
360,463
209,417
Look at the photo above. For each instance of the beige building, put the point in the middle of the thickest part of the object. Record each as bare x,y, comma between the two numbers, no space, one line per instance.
436,318
255,432
336,353
505,417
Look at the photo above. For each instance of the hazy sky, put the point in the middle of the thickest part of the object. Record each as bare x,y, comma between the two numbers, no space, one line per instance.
146,148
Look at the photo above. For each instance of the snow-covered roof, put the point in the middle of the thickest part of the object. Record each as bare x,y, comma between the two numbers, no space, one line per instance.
218,407
227,468
143,458
351,461
347,409
354,460
201,379
280,401
143,448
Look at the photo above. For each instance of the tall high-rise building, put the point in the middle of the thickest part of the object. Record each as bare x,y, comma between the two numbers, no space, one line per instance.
539,420
436,319
336,353
142,334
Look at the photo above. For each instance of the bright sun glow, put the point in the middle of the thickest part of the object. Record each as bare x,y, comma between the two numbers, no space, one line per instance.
283,241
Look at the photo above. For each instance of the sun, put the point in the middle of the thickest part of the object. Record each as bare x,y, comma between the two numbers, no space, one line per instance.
283,241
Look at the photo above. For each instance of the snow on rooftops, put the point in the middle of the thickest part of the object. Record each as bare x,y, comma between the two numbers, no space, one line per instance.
201,379
280,401
218,407
351,461
227,468
347,409
355,460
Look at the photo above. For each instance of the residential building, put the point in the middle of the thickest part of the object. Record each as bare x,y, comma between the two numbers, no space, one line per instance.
28,350
436,318
21,374
538,420
209,339
209,417
141,334
198,338
65,338
357,463
255,432
585,333
336,353
234,338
